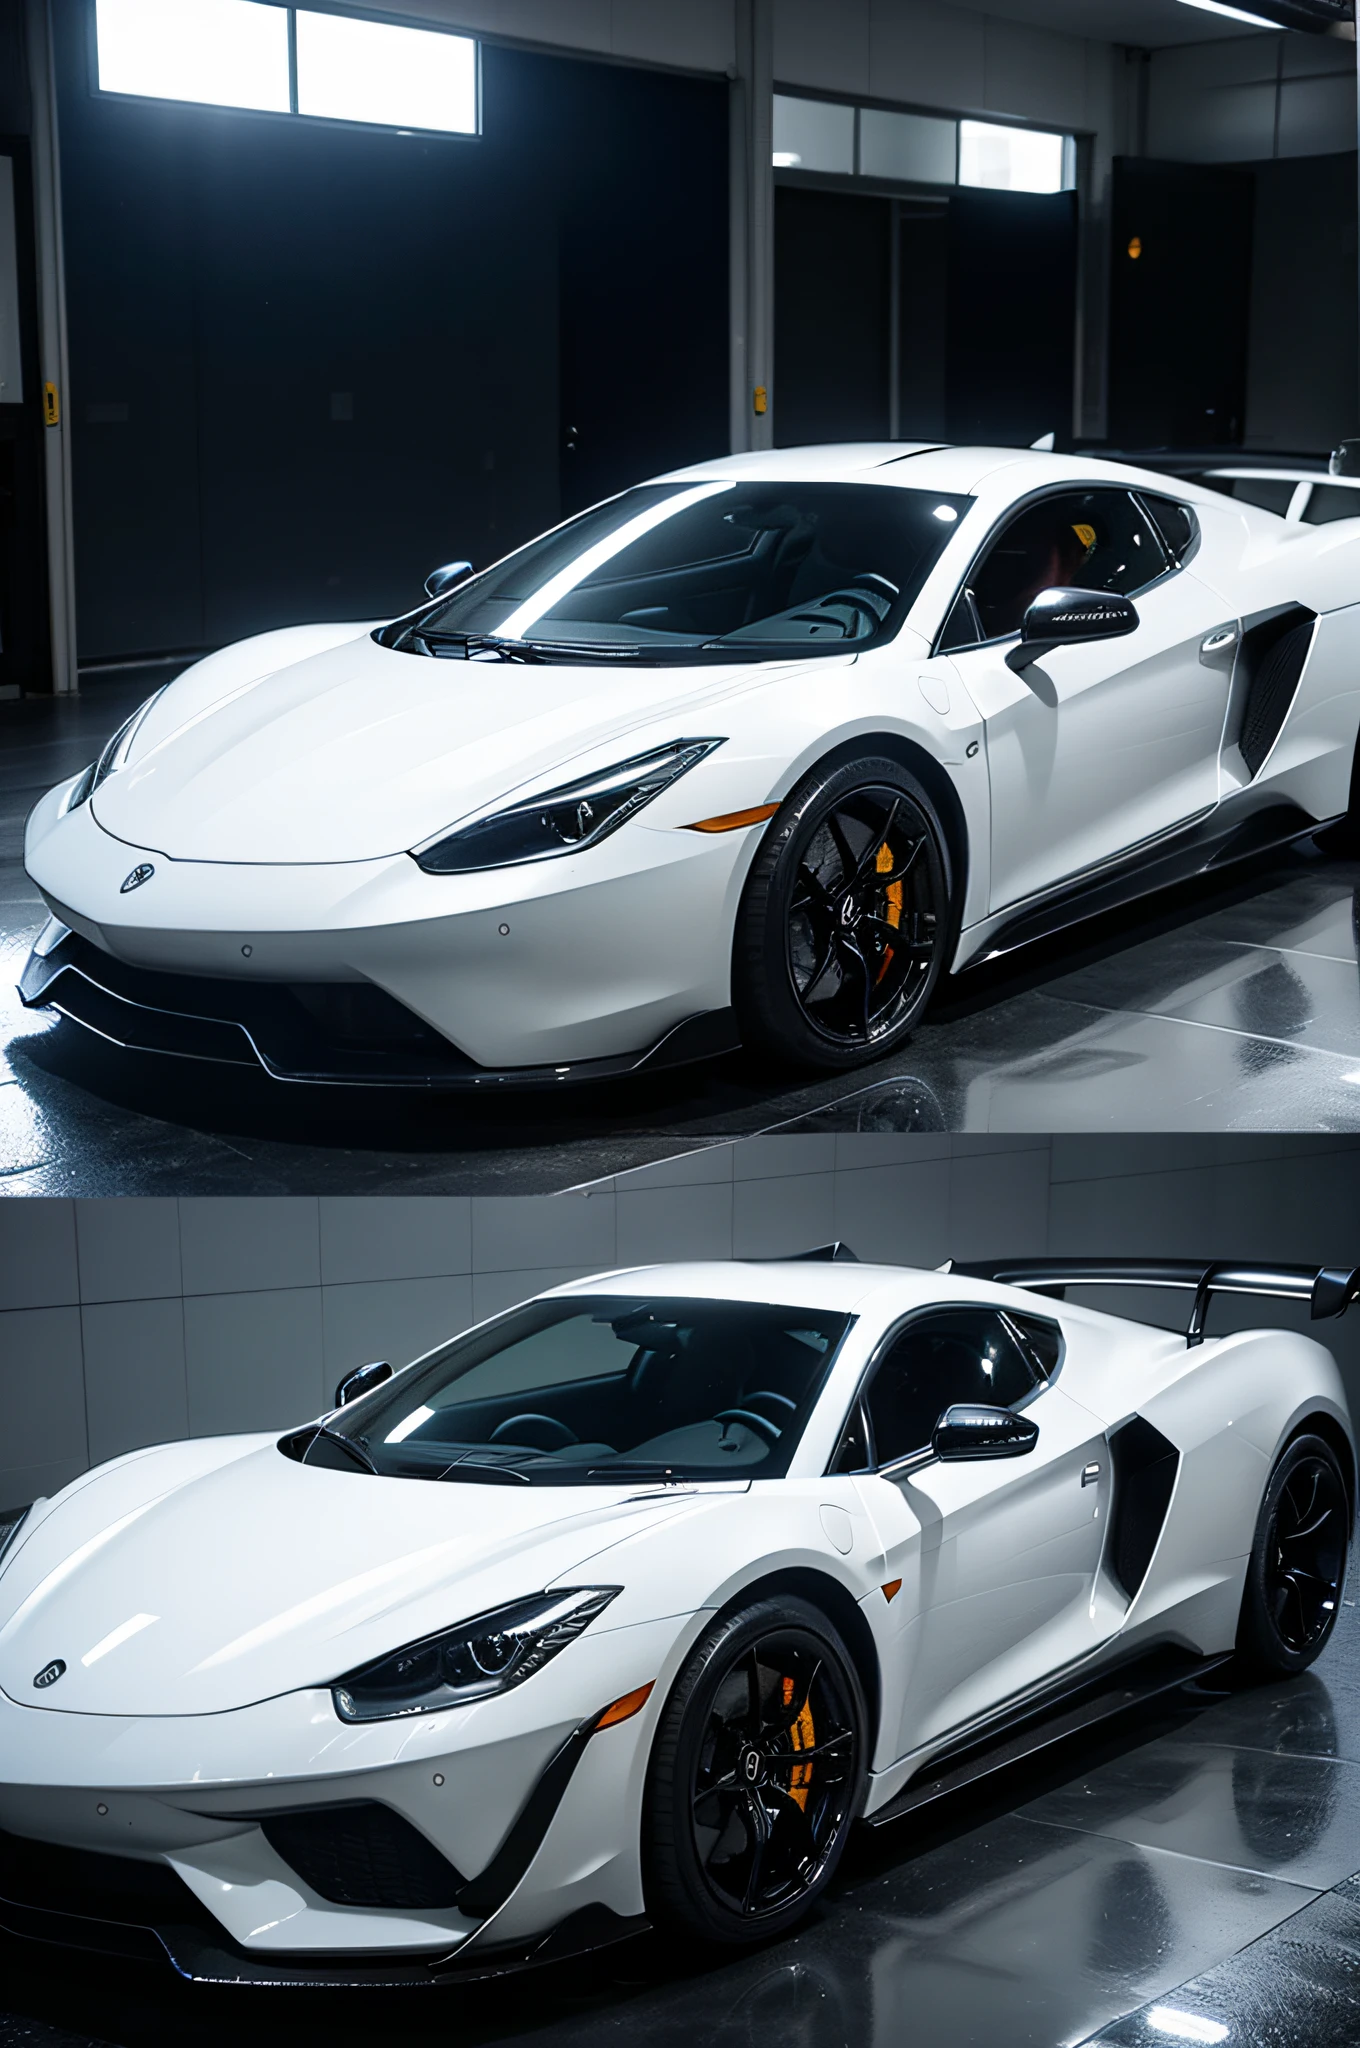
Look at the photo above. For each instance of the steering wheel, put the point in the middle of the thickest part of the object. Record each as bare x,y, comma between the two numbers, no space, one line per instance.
750,1420
559,1435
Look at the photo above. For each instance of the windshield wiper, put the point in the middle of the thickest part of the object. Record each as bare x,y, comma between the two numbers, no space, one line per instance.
641,1470
528,650
485,1475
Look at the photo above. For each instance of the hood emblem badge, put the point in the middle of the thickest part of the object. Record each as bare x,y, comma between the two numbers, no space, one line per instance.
49,1674
141,873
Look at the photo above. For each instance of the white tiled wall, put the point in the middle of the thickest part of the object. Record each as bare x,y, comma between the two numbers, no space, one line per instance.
133,1321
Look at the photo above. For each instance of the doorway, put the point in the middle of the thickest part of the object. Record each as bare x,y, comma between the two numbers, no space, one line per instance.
933,317
25,666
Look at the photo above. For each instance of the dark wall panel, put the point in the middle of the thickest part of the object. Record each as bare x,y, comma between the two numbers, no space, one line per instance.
1012,311
1303,349
833,267
1179,307
309,361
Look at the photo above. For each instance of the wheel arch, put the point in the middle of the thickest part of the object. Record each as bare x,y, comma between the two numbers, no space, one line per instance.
842,1610
933,778
1320,1423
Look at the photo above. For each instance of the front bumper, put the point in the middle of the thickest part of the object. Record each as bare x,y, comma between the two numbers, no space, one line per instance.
497,1824
558,964
328,1034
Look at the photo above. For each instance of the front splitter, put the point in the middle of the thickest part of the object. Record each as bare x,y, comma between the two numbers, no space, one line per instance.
272,1028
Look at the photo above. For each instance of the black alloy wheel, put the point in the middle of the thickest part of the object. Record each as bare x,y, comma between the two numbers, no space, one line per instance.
845,918
1298,1561
756,1776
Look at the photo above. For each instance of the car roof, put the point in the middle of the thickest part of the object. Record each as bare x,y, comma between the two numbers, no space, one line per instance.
851,1286
930,466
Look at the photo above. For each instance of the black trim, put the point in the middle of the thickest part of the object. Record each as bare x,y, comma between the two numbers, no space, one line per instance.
490,1889
322,1034
1211,842
1062,1710
1145,1467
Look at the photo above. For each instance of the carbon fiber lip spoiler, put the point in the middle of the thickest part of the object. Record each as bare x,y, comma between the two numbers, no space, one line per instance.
1328,1290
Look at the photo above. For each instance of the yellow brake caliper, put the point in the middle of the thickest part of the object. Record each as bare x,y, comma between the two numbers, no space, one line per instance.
803,1736
893,892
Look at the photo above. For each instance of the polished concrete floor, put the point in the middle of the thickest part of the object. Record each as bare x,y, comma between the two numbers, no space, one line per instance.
1188,1878
1230,1005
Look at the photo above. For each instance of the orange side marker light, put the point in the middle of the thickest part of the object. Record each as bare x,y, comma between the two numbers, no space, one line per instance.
624,1709
892,1589
732,821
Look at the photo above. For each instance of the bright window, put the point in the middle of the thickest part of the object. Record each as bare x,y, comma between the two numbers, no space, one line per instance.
917,147
1011,159
236,53
813,135
224,53
352,70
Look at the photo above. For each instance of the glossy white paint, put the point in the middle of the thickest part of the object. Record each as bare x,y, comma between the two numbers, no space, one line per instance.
205,1595
278,785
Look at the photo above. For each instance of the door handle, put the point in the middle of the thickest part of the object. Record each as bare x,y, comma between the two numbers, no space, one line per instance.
1090,1474
1216,647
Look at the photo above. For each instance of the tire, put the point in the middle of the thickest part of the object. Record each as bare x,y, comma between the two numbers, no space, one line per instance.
1297,1567
713,1869
820,977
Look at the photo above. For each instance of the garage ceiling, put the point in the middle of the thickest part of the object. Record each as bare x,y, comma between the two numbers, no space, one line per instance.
1149,24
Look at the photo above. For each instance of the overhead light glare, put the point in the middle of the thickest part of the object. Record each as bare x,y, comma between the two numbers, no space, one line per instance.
1233,13
1185,2026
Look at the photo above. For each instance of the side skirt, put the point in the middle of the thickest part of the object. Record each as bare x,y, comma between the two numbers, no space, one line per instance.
1214,842
1040,1726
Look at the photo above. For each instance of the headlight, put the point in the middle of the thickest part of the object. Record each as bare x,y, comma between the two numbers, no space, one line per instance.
10,1525
489,1654
566,819
114,755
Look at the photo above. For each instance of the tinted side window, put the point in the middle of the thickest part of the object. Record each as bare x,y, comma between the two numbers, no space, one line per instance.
1327,502
1044,1340
1175,523
1087,540
959,1355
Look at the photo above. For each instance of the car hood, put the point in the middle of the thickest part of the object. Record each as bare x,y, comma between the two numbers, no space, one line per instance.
168,1587
358,752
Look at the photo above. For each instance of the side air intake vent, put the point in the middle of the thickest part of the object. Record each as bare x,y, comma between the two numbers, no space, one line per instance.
363,1855
1273,654
1144,1474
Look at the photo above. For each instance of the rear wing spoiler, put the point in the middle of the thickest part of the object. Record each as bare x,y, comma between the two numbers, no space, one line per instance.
1328,1290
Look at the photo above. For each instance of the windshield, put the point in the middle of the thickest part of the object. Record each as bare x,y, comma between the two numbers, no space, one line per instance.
599,1389
711,571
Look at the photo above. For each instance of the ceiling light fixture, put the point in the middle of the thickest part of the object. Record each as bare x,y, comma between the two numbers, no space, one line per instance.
1233,13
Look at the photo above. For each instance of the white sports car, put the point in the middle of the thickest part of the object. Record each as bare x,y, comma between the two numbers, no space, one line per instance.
771,742
626,1604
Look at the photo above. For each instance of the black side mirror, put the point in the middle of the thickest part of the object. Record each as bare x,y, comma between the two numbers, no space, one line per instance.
964,1431
440,580
1058,618
361,1380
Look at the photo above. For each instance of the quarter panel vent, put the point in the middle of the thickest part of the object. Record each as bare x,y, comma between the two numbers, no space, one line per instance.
1145,1465
1273,654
